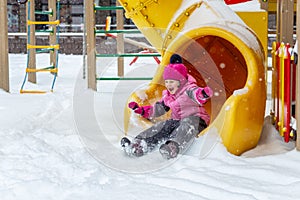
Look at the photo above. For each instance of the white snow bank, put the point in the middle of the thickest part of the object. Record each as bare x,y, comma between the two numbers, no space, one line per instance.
42,156
252,5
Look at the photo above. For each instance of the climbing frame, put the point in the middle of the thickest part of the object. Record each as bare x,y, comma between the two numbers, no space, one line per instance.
92,32
33,49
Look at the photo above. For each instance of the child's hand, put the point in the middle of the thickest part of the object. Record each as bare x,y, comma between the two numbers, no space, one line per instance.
144,111
133,105
203,94
207,92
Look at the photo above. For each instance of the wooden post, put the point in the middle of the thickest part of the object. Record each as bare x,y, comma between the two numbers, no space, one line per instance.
84,44
31,40
298,79
264,5
285,21
120,39
91,43
4,67
52,37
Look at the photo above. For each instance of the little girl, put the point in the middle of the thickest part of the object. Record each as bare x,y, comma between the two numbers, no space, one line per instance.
185,100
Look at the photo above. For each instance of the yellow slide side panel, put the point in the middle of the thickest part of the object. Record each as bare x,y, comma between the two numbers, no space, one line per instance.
258,22
151,17
237,125
225,56
240,119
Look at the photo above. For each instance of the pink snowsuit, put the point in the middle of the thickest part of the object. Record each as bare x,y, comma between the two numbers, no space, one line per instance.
184,102
188,117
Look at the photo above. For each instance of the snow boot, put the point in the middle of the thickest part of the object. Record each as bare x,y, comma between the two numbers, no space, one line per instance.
169,150
135,148
138,148
125,142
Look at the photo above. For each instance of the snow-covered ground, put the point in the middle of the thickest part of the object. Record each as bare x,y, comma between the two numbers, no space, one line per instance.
49,147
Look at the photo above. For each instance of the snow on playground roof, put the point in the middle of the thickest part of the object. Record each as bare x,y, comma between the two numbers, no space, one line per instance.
252,5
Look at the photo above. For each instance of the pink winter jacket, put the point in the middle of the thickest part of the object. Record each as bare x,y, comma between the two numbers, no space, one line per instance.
185,102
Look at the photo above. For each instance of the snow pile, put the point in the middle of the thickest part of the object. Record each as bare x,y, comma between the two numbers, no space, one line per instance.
240,91
43,157
253,5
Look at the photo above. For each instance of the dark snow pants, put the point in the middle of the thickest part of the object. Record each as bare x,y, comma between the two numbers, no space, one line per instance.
180,131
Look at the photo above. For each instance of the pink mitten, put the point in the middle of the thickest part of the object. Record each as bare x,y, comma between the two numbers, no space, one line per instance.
139,110
147,112
208,92
133,105
144,111
203,94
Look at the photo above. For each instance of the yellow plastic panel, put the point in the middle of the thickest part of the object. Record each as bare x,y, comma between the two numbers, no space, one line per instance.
257,21
151,17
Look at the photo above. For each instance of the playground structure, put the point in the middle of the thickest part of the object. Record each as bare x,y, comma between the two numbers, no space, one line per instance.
224,50
242,101
283,90
213,48
4,69
91,33
285,97
33,48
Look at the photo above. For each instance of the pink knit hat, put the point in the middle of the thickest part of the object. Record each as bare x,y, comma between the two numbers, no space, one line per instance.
175,71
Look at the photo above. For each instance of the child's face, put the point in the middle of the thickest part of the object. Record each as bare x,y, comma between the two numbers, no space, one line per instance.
172,85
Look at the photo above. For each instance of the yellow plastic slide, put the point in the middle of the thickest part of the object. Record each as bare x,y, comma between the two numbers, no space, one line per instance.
220,51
